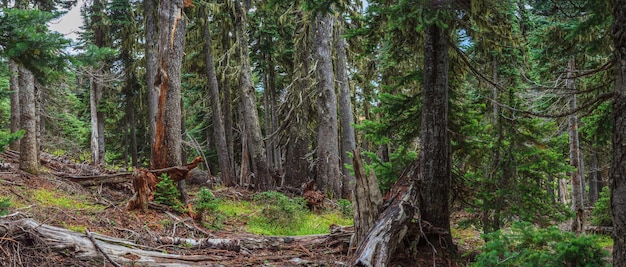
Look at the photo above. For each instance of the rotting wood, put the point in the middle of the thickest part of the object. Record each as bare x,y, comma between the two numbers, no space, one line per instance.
95,243
392,224
60,240
367,198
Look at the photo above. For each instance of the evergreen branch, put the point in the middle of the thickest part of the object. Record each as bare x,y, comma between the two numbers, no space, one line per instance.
593,103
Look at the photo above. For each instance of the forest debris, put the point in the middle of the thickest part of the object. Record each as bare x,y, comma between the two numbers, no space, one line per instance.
314,198
391,226
367,198
93,240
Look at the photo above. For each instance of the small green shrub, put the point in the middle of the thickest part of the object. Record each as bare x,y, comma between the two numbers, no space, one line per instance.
206,203
8,138
601,214
345,206
280,211
526,245
167,194
5,204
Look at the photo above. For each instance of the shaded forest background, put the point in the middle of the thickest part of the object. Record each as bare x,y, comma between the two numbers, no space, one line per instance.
507,107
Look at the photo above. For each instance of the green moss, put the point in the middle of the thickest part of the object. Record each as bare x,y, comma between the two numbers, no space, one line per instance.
48,198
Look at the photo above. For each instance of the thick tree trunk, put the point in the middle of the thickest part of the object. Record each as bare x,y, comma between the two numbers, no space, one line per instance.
328,174
14,73
226,172
578,204
435,148
262,179
297,171
29,157
618,171
167,145
150,29
348,138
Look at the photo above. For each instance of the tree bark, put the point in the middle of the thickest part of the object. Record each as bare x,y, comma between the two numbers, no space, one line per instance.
348,138
435,143
150,29
367,198
578,222
328,174
595,177
256,146
618,171
14,73
29,156
297,171
219,132
392,225
95,94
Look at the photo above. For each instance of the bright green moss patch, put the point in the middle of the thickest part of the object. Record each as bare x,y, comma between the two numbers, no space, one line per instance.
49,198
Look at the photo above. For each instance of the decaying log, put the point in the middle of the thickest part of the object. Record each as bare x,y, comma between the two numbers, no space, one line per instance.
94,180
124,252
392,224
367,198
81,247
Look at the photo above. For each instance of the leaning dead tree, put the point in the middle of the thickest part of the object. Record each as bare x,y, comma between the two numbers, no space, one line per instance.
391,226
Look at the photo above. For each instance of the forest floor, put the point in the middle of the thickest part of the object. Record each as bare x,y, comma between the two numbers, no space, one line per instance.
50,199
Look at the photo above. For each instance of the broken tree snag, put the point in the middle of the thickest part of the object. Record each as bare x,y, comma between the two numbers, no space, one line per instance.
367,198
380,242
314,198
144,182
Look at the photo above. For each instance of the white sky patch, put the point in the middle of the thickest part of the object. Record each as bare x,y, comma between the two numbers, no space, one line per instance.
69,24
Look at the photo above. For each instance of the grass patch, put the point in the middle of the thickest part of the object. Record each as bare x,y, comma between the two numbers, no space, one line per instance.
604,241
271,213
48,198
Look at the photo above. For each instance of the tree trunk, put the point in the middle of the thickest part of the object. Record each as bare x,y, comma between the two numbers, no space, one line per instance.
14,73
150,29
348,138
578,222
594,177
328,175
95,94
297,171
367,198
435,143
618,172
29,157
262,179
167,145
228,178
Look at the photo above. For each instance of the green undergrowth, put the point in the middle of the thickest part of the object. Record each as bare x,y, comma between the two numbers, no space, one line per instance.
50,198
270,213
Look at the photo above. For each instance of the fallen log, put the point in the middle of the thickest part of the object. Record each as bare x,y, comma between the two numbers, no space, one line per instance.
92,246
78,245
391,226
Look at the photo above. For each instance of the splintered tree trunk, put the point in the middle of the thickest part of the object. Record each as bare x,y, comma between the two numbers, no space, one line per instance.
328,175
14,72
348,139
435,148
167,143
367,198
392,225
94,98
262,179
578,222
618,171
218,121
29,158
150,20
